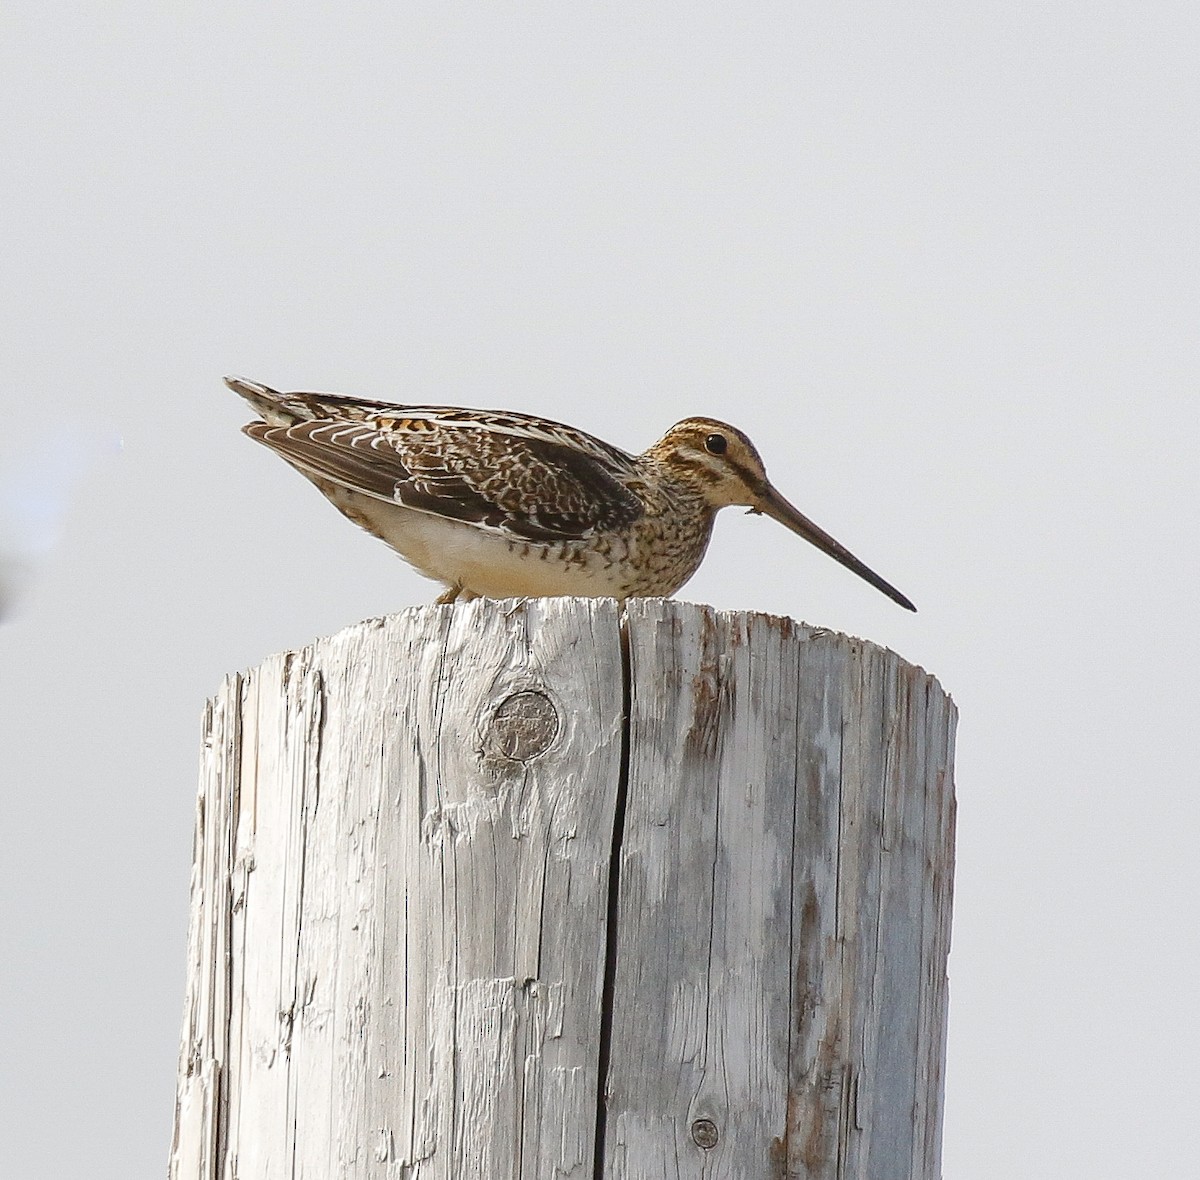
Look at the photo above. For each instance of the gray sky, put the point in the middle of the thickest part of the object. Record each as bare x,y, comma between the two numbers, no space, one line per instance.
939,261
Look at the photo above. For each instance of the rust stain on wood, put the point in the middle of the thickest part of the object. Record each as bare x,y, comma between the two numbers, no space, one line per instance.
712,688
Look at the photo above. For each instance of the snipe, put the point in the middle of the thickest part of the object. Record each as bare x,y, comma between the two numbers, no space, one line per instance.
503,505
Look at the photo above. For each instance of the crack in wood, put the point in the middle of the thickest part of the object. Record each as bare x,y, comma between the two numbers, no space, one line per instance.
612,930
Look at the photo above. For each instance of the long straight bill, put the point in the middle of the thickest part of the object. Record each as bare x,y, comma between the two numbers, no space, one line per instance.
776,507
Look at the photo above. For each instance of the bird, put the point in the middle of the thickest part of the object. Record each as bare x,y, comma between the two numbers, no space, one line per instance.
497,504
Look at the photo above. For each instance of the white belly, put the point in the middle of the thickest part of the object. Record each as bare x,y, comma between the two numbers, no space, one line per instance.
484,562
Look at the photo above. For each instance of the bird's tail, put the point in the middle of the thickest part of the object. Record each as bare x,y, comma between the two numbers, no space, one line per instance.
277,409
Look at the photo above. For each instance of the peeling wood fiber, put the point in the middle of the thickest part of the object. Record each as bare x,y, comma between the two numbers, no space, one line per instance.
400,955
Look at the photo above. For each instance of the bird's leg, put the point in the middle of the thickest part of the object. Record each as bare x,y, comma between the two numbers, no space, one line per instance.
448,596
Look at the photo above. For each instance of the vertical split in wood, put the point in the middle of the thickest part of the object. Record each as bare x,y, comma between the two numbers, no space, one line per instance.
613,918
458,870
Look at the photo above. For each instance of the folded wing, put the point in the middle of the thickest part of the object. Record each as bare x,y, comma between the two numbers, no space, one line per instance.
532,488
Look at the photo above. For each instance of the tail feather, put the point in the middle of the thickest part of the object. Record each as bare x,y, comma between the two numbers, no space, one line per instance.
278,409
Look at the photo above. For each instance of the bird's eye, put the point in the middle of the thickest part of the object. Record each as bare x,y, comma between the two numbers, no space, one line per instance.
716,444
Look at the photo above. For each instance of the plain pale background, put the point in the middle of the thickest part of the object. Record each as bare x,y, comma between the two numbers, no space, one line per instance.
938,260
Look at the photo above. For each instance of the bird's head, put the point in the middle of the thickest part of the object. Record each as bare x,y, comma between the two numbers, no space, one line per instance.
724,467
715,459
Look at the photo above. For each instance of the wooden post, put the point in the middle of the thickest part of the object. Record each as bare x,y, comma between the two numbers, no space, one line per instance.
461,870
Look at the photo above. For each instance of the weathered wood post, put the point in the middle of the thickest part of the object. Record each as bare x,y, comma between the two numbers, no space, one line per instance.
461,871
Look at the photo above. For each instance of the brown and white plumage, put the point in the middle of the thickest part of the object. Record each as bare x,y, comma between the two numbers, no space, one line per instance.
497,504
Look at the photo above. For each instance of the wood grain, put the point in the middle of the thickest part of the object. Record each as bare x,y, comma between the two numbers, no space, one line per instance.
786,866
394,964
409,955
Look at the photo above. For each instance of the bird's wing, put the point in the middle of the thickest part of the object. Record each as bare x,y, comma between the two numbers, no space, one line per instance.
521,482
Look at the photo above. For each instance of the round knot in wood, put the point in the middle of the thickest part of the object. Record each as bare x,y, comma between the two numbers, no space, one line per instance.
523,725
704,1133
